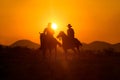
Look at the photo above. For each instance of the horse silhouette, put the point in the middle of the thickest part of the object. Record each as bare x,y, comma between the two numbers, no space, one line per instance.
48,44
68,43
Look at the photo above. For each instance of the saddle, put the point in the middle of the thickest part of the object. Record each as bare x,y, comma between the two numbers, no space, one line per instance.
73,41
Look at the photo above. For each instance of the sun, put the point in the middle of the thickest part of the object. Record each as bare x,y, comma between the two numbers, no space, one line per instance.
54,26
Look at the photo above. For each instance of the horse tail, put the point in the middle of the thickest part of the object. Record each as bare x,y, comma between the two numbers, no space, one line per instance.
56,42
78,42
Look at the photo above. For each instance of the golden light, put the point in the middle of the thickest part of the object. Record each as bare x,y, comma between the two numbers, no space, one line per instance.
54,26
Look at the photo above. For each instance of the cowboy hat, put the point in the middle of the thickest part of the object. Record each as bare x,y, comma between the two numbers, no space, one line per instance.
69,25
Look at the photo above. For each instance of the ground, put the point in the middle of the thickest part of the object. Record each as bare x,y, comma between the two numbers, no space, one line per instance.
26,64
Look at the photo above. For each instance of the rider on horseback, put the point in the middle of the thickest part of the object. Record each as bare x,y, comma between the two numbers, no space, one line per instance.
70,32
49,32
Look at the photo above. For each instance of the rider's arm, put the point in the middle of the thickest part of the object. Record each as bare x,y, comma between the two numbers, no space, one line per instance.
72,31
68,32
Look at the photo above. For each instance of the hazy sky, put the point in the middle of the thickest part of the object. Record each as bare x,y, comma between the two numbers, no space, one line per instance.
92,19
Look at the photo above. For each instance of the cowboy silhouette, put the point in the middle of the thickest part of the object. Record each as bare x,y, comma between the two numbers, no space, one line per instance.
70,31
47,40
48,31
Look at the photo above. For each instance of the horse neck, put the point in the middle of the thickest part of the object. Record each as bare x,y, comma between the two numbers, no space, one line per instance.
64,38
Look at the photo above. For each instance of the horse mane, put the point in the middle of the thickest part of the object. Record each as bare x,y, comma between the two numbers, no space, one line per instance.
63,33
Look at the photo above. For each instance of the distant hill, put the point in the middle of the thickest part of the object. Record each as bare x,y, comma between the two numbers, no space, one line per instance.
25,43
95,46
116,47
100,46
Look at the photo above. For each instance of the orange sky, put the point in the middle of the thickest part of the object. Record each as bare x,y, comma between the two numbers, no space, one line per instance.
91,19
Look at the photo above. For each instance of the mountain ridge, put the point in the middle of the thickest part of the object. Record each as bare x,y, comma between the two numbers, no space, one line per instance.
95,45
25,43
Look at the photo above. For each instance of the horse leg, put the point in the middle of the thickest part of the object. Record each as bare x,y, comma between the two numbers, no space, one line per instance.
55,53
50,51
65,51
44,53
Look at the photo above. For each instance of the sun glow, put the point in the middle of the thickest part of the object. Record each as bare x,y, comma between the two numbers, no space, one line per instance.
54,26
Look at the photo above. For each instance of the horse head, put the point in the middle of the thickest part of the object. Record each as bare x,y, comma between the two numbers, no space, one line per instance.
61,34
42,36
